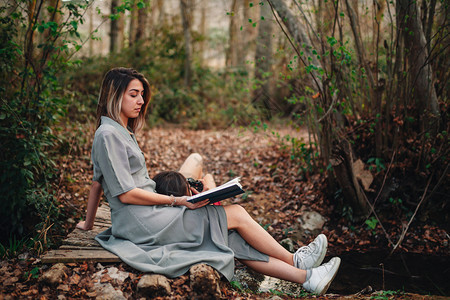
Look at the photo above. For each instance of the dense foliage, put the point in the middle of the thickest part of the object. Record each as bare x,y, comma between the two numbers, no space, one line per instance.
35,50
215,98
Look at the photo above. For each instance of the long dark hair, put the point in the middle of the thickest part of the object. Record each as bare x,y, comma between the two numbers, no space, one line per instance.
113,87
171,183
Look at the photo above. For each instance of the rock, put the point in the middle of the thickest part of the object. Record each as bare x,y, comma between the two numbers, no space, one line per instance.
204,281
23,256
102,286
283,286
248,279
55,275
288,244
115,273
312,220
153,285
107,292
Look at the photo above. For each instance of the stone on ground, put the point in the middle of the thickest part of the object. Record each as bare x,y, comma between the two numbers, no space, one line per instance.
153,286
55,275
204,281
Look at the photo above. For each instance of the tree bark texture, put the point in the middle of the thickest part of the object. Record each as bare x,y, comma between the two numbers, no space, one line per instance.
201,48
263,60
342,162
420,74
141,30
232,51
185,6
114,29
360,51
133,25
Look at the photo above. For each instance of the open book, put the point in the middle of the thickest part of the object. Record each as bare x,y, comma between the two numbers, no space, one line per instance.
224,191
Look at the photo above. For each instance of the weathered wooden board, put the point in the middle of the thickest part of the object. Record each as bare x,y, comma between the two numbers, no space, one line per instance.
80,245
66,256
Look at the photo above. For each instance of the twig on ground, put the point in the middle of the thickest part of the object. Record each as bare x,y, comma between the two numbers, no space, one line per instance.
412,217
372,211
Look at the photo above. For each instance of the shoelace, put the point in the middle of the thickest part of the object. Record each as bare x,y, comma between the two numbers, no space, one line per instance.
305,250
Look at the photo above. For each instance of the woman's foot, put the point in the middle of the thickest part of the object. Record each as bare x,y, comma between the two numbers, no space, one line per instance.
311,256
321,277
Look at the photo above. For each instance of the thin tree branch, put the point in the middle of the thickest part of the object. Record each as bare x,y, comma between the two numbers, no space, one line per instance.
319,86
385,178
372,210
413,216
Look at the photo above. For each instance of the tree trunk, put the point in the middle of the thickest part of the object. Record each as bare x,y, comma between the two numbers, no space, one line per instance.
232,51
263,60
141,29
246,35
360,51
120,32
201,48
133,25
429,25
342,162
113,34
420,74
162,12
185,6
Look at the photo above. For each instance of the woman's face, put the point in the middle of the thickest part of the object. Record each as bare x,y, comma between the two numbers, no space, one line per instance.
132,101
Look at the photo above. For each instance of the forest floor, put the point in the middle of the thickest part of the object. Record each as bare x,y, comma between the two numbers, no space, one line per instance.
278,194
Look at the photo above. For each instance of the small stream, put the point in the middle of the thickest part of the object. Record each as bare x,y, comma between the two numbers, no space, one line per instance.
409,272
406,272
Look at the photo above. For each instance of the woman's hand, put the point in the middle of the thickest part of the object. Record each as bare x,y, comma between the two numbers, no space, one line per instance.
182,201
83,225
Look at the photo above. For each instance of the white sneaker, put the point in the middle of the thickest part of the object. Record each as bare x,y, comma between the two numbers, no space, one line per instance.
321,277
311,256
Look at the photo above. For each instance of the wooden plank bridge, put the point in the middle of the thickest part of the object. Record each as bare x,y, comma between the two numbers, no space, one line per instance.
80,246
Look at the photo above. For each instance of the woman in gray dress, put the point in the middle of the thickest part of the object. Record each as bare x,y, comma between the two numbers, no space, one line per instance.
165,234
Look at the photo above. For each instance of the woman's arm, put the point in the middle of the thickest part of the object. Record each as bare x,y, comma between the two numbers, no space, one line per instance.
93,201
139,196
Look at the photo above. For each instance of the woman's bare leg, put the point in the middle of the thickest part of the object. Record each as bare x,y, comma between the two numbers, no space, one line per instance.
208,182
277,268
255,235
192,166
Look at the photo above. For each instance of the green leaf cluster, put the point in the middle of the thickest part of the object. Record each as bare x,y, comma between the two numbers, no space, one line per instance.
35,50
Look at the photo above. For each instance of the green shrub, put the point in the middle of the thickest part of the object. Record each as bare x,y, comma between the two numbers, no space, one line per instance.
34,53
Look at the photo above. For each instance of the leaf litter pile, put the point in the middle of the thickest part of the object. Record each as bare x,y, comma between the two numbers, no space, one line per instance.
278,195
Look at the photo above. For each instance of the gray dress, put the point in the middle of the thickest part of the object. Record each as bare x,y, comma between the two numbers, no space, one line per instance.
158,238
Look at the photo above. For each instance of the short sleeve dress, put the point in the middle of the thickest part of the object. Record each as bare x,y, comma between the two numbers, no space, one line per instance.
158,238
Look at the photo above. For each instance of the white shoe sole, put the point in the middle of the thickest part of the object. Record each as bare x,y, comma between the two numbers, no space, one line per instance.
324,284
324,250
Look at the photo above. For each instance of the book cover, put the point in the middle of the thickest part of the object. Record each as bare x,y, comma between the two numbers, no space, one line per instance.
224,191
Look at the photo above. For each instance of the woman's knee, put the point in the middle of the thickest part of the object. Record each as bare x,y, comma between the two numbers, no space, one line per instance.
236,216
196,157
192,166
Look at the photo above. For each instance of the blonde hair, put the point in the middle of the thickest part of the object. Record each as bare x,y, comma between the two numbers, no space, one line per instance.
114,85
